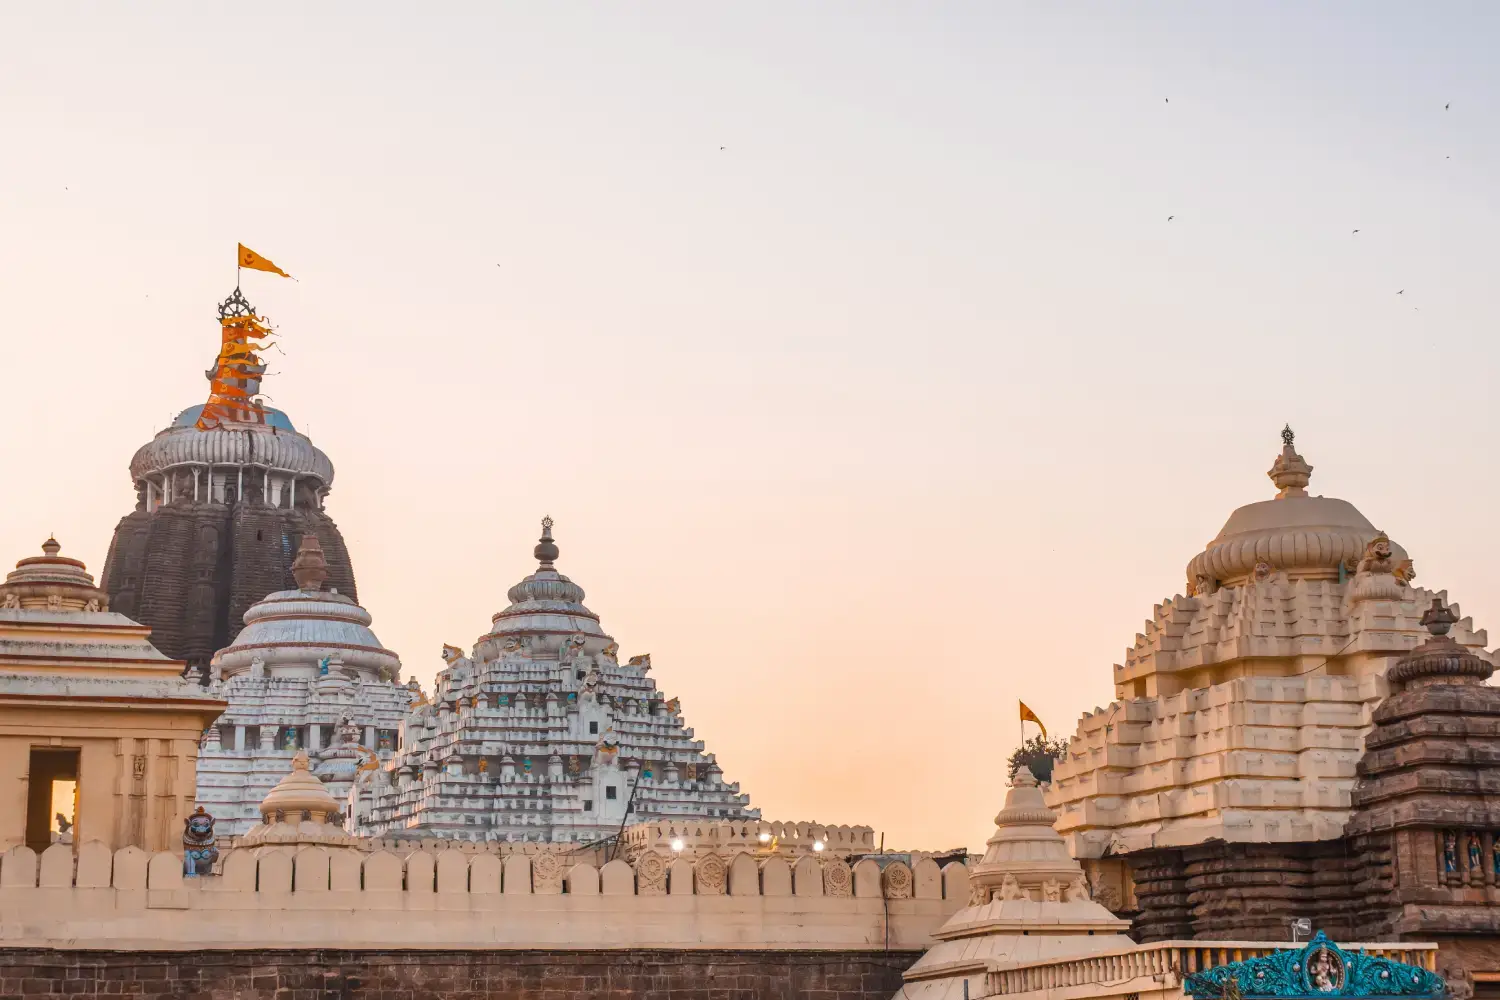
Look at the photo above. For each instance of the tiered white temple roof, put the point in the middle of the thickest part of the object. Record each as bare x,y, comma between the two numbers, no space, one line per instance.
306,674
1242,708
544,735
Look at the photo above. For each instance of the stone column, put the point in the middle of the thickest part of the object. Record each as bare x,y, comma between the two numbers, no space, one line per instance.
370,737
239,737
314,736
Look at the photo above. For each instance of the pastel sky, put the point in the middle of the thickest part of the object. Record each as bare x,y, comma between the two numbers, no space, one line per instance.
907,403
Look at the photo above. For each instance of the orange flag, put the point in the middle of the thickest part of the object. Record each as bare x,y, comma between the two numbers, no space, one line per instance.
1027,715
249,258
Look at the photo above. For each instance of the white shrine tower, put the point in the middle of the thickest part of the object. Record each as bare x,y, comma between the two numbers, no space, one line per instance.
543,736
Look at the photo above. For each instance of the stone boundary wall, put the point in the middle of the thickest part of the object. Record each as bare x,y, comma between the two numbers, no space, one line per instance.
636,974
329,898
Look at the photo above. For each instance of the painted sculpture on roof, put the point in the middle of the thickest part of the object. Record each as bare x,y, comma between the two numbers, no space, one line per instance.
1322,969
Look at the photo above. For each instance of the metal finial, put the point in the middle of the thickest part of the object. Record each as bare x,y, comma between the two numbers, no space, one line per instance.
235,306
1437,618
1287,436
547,523
546,550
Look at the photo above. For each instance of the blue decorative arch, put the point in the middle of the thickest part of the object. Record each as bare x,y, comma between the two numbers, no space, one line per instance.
1322,969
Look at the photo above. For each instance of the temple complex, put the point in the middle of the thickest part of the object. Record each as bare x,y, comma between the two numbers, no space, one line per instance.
98,730
223,498
544,735
1228,790
305,675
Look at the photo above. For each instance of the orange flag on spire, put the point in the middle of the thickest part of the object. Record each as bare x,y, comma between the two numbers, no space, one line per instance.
1027,715
249,258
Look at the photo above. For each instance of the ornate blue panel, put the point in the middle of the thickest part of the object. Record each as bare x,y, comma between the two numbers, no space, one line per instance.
1322,969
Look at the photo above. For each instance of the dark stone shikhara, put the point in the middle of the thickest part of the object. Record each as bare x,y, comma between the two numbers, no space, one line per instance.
190,569
1420,856
532,974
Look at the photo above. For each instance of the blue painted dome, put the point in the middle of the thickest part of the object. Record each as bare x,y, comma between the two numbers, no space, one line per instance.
274,418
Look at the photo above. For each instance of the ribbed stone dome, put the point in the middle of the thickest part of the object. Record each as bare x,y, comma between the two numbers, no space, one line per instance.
546,601
261,445
1307,537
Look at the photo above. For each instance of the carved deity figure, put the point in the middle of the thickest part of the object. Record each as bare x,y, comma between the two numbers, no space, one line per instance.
1324,971
612,651
199,850
258,668
92,605
1052,891
1077,890
571,649
12,602
54,602
1450,852
1010,888
289,738
1495,857
1405,571
591,683
1263,571
643,661
484,765
1203,586
674,706
1377,558
1475,863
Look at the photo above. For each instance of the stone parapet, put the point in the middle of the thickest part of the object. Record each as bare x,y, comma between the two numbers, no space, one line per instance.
316,898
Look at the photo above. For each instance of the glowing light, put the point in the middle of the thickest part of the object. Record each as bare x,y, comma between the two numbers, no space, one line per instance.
817,845
677,844
765,838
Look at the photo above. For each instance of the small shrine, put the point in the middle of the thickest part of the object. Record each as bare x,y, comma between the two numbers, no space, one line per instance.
1322,969
98,730
544,735
307,675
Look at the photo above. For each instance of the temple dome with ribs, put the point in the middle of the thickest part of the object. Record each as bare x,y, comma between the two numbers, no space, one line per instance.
1306,537
274,445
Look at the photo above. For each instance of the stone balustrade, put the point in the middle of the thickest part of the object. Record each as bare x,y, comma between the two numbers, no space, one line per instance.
454,898
1159,967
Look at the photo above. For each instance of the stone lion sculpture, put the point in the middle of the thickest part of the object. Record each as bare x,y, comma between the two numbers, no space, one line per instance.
199,845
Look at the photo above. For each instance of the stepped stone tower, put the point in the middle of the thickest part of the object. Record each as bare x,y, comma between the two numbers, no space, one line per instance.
223,498
543,736
1257,767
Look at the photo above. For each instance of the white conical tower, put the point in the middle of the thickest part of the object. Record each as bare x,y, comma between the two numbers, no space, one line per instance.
1028,900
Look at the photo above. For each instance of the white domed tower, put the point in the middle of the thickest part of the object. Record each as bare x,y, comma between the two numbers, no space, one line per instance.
544,735
305,675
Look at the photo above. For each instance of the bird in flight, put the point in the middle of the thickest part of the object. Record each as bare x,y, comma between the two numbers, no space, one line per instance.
723,147
1356,230
1402,292
1171,217
1445,107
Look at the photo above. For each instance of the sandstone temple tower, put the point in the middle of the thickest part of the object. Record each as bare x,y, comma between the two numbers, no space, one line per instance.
223,498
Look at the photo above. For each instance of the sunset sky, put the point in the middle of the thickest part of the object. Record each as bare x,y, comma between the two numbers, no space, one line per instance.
906,404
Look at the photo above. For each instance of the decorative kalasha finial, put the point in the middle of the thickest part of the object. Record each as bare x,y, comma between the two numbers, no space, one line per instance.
546,551
1437,618
1289,472
50,546
309,569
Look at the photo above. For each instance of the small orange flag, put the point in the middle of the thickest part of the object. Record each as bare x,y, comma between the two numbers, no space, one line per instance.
1027,715
249,258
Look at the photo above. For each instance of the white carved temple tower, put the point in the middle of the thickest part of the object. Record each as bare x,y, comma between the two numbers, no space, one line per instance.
544,736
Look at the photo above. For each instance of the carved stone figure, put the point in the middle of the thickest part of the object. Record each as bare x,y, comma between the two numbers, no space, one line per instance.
1450,852
1077,891
54,602
571,649
12,602
1495,858
1475,864
591,683
612,651
258,668
1377,558
1010,888
1263,571
643,661
979,895
199,845
1405,571
1325,973
92,606
1052,891
1203,586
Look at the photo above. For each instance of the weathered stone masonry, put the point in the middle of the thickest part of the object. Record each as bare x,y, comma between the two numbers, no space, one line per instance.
630,974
